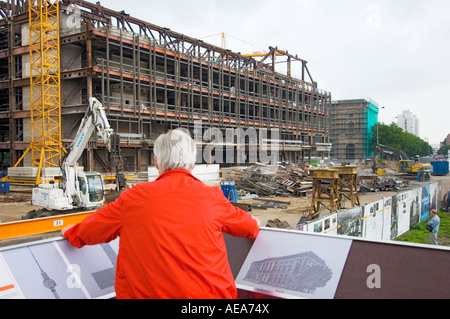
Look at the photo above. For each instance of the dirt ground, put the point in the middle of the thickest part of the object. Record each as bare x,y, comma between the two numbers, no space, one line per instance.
18,203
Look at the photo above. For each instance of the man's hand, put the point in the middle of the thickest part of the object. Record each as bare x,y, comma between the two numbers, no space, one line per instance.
65,229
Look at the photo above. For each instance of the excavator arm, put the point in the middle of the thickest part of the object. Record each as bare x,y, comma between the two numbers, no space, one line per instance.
95,119
389,153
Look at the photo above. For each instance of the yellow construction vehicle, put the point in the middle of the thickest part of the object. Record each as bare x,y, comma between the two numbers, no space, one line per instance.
404,164
414,167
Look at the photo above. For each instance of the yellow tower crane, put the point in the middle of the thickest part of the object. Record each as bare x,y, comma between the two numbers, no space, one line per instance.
45,83
46,145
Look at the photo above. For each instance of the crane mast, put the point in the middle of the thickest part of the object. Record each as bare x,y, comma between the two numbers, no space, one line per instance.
46,146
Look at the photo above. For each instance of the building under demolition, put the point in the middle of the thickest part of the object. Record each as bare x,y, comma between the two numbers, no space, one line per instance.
151,79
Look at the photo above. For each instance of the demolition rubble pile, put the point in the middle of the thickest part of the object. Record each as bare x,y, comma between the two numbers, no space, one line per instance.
392,184
271,181
277,180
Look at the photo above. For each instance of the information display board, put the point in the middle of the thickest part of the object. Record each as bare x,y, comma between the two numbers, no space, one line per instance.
53,269
297,264
279,263
282,264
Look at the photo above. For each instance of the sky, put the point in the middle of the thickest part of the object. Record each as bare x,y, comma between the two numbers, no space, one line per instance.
395,52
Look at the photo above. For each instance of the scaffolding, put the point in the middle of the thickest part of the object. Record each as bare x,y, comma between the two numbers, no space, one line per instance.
348,186
326,190
350,129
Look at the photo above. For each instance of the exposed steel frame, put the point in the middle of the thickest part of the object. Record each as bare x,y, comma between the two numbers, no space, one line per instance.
264,98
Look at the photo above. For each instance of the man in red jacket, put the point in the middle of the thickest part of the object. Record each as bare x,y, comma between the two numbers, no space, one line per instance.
171,230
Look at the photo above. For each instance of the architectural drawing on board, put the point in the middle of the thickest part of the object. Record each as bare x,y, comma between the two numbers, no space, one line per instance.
304,272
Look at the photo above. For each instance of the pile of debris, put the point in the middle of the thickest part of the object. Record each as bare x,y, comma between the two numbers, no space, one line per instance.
263,180
267,180
276,223
383,185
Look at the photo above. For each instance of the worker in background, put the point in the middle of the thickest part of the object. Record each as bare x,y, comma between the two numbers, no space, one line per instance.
171,230
434,223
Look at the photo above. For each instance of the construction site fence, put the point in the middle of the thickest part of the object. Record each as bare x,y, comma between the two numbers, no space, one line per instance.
384,219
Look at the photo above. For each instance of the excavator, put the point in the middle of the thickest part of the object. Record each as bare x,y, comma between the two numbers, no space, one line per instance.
404,164
414,167
78,190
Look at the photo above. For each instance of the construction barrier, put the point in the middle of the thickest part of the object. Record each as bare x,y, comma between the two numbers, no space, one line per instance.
277,264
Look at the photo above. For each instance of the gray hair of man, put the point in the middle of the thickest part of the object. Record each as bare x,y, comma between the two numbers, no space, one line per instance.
175,150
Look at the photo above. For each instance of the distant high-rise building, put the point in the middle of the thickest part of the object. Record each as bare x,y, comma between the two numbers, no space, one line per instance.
408,122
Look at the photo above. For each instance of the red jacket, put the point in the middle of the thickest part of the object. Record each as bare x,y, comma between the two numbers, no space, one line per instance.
171,241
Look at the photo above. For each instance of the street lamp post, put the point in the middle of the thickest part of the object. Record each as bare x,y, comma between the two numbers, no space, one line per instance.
378,125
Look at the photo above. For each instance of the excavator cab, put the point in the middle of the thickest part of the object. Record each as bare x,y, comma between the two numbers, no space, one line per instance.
91,189
96,190
404,166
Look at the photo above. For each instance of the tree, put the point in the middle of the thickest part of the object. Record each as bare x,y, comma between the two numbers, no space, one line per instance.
444,150
394,136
